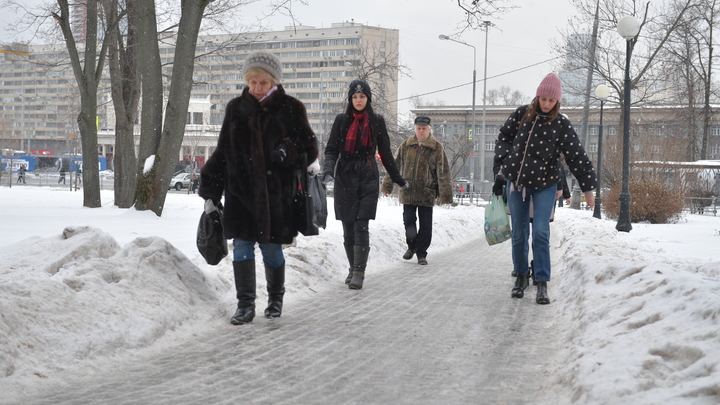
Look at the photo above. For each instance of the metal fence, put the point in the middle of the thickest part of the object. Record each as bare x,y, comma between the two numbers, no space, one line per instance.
702,205
50,179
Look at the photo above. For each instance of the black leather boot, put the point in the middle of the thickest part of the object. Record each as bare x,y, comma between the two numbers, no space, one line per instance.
275,277
245,287
361,258
350,252
521,283
542,296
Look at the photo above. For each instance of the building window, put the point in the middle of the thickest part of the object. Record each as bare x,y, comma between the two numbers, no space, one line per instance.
612,130
594,129
715,131
490,145
592,147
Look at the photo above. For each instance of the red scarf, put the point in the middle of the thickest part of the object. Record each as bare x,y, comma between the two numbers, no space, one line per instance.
361,119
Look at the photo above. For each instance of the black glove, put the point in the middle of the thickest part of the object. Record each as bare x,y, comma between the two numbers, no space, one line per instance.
327,178
279,154
499,186
405,184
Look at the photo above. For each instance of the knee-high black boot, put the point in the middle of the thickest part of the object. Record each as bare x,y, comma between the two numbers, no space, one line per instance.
521,283
542,295
245,287
275,277
361,258
350,252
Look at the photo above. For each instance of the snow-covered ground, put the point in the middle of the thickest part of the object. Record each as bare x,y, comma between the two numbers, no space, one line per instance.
87,286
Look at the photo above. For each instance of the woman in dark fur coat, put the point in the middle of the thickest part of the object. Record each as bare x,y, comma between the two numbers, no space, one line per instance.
264,139
355,138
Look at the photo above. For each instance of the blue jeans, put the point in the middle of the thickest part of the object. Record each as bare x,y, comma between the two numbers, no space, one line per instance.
543,202
271,252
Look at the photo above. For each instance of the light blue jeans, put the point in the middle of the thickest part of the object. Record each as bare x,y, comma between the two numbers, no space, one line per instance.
543,202
271,252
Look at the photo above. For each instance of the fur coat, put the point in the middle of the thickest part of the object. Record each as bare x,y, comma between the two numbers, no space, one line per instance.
258,192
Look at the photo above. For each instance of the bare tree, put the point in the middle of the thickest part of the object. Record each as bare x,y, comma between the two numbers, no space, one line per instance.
477,11
88,73
690,54
505,96
375,66
657,26
125,90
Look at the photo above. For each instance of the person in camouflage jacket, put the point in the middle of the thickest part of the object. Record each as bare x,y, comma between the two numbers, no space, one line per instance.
424,165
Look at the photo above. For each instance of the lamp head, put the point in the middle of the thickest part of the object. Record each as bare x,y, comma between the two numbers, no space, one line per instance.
444,37
628,27
602,92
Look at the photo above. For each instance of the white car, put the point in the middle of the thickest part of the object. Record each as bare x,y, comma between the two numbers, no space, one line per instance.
180,181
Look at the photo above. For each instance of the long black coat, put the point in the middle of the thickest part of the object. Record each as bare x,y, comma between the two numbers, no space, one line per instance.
258,192
357,180
537,165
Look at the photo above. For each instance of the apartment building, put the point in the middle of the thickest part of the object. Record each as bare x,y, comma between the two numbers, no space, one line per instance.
40,101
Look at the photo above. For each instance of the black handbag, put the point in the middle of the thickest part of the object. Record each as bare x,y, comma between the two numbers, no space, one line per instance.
304,216
319,196
210,239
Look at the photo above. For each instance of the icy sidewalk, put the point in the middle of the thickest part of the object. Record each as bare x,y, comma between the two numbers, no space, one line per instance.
443,333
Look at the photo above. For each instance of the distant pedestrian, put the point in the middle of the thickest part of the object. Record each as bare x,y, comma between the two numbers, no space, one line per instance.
21,174
79,175
62,176
424,165
194,181
356,136
527,155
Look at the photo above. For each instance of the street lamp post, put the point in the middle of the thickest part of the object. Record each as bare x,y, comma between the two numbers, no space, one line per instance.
602,92
628,27
482,134
447,38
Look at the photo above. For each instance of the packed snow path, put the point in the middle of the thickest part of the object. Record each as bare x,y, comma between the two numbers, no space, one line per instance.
447,332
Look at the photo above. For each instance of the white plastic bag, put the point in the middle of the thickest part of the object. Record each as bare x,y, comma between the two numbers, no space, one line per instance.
497,221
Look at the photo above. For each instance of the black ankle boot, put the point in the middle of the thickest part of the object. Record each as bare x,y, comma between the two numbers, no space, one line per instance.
275,277
350,253
245,287
361,258
521,283
542,295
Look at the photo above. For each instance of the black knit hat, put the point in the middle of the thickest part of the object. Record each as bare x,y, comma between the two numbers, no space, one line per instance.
359,86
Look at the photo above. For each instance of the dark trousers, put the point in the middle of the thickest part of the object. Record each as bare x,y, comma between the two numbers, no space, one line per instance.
356,233
418,238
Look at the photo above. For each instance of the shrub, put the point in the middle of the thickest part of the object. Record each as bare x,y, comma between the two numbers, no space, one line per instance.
652,201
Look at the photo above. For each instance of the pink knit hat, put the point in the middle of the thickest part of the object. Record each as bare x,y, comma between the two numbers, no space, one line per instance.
550,87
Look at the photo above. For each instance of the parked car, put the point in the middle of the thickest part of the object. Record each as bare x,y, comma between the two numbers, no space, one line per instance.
180,181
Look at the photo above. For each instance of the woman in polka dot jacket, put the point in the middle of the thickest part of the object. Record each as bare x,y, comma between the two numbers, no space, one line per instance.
527,159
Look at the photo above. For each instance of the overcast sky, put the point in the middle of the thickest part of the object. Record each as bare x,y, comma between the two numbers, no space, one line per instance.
521,38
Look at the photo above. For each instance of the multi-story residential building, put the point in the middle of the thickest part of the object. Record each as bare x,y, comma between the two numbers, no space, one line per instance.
41,101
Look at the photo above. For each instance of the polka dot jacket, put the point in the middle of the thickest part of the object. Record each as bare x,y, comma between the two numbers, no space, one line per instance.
532,159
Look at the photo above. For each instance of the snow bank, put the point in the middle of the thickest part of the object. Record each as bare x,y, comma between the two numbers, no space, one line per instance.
644,323
79,296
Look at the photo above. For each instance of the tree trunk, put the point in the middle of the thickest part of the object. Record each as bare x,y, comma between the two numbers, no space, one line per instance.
153,185
87,77
707,111
125,81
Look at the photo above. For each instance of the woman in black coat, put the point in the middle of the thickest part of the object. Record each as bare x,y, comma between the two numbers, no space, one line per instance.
355,138
264,140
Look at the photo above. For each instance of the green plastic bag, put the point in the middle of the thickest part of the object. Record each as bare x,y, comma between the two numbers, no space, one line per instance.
497,221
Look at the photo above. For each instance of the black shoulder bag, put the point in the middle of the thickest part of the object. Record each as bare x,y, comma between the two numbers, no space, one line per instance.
304,216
